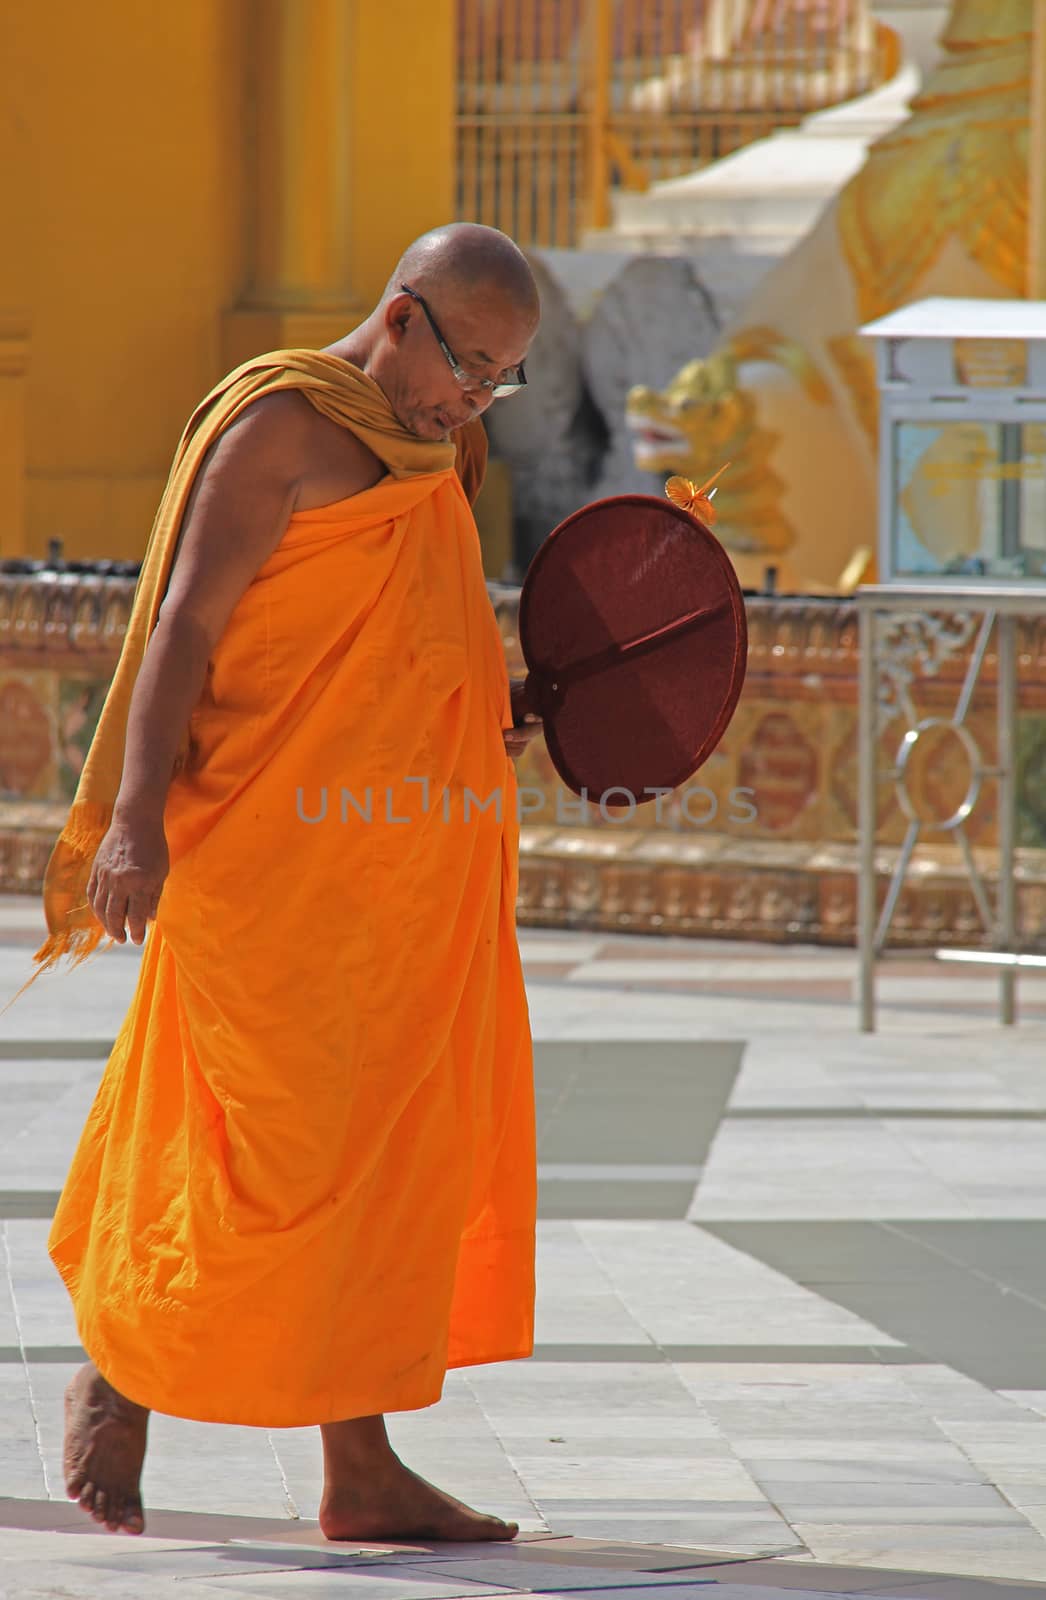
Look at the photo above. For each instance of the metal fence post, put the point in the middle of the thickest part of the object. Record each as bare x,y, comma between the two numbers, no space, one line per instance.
1006,900
867,751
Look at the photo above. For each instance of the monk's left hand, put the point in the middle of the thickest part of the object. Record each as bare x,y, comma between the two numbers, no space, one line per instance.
517,738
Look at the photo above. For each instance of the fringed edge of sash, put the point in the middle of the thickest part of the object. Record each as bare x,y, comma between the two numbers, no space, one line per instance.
76,943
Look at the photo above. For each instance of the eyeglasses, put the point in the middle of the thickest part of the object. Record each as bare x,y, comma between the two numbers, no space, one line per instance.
509,382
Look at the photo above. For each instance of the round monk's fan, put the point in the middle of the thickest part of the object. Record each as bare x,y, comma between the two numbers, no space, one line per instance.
632,626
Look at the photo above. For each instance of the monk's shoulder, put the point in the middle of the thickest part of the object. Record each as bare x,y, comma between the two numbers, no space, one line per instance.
278,424
327,461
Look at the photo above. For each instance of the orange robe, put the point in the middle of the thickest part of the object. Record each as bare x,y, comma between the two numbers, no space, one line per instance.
307,1185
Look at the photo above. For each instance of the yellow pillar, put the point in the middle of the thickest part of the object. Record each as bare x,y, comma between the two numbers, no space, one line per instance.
351,133
15,281
402,158
1037,159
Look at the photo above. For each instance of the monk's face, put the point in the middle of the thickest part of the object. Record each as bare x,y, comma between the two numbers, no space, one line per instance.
487,335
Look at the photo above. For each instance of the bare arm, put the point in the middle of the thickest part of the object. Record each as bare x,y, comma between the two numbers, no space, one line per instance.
245,493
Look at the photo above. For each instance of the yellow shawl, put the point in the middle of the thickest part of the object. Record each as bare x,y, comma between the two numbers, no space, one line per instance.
339,391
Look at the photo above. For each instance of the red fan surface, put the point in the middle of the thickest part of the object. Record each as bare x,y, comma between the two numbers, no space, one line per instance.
632,626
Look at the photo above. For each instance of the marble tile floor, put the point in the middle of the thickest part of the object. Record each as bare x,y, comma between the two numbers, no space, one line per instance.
791,1322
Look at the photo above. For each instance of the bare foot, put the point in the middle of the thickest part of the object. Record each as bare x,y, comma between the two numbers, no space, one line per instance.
104,1451
369,1494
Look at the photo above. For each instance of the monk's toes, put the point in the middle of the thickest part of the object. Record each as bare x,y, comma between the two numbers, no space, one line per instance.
108,1507
132,1519
74,1485
118,1514
125,1516
487,1527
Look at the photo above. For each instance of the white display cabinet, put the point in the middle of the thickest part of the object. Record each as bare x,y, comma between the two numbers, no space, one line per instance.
962,460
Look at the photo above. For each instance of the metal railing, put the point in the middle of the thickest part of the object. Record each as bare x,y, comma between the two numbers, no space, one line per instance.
899,624
560,101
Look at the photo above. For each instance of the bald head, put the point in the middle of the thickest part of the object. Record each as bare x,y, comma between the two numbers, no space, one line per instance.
465,259
458,331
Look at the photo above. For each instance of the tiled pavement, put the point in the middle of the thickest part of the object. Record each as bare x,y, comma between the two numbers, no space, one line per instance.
792,1303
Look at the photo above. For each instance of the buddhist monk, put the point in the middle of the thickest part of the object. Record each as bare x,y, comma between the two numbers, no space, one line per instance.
307,1185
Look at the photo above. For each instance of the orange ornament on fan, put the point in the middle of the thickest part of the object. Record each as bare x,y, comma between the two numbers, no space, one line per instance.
685,493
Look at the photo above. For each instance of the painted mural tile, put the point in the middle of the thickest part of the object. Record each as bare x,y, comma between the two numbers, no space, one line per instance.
28,766
80,701
778,759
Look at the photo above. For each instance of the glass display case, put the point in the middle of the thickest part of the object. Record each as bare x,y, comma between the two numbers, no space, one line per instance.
962,463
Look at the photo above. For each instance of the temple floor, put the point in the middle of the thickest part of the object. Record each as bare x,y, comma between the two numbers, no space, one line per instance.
791,1323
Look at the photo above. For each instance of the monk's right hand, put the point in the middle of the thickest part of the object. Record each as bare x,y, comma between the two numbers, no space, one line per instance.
128,876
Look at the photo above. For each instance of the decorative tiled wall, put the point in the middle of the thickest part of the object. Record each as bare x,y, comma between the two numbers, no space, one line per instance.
60,636
788,871
760,844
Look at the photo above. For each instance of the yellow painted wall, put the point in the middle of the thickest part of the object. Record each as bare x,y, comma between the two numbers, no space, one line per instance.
187,184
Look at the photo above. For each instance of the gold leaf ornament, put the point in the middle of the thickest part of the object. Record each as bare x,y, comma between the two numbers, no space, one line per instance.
683,492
